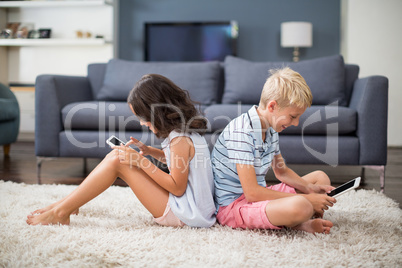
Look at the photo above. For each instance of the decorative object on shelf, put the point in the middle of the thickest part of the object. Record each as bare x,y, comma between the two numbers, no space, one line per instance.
45,33
6,34
79,34
82,34
34,34
17,30
24,30
13,26
296,34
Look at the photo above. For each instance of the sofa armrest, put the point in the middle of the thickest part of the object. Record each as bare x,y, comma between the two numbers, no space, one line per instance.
370,100
52,93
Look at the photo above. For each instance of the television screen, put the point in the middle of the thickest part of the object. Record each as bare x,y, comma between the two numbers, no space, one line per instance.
190,41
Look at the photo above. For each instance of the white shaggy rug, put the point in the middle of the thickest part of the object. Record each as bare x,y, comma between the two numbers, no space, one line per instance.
115,230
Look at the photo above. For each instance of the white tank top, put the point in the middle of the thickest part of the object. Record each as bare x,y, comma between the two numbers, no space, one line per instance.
196,206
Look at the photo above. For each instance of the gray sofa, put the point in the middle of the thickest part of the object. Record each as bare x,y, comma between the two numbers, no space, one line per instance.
346,125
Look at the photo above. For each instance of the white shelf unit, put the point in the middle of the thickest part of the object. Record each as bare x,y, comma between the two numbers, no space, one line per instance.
54,3
22,60
54,42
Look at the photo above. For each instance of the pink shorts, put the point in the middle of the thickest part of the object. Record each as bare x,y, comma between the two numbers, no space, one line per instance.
169,219
242,214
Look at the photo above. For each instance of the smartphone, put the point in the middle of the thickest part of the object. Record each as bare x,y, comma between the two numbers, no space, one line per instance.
114,141
346,187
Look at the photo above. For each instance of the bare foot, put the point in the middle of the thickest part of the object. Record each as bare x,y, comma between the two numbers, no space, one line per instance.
48,217
43,210
315,226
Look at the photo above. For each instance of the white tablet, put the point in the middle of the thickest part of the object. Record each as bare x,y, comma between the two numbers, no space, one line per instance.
344,188
114,141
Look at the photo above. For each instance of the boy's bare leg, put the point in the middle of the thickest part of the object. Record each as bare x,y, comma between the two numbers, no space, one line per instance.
320,178
98,181
317,177
296,212
315,226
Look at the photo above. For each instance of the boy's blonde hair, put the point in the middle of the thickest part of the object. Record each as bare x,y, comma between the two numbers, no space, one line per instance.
286,87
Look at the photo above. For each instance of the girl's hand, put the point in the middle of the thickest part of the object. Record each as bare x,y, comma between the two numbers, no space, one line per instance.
320,202
128,156
144,149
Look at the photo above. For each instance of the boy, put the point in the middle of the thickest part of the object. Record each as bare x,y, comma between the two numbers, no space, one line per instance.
246,149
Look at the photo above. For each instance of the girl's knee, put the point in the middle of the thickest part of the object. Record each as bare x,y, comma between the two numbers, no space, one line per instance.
113,158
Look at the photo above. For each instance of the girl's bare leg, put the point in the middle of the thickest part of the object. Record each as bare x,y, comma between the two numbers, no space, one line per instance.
148,192
42,210
296,212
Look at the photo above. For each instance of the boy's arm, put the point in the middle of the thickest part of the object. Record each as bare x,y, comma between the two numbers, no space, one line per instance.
288,176
254,192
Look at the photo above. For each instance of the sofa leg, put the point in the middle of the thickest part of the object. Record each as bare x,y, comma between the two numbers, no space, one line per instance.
39,162
381,169
363,177
85,165
6,148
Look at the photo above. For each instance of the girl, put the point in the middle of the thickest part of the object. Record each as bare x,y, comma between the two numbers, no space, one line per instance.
183,197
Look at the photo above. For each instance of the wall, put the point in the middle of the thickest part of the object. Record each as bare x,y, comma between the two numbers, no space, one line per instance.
25,63
259,24
3,51
372,38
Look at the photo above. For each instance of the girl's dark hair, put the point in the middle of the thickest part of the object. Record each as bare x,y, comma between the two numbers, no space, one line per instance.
158,100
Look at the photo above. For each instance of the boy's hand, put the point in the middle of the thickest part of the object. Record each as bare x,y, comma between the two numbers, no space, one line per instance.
319,189
144,149
320,202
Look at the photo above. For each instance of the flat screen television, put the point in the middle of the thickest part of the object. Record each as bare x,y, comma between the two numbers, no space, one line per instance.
190,41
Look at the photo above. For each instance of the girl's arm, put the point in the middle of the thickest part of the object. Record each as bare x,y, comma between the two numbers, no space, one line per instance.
148,150
181,153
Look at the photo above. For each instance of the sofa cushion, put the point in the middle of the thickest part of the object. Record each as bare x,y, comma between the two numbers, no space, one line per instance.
313,150
89,143
316,120
200,79
325,76
325,120
100,116
220,115
96,75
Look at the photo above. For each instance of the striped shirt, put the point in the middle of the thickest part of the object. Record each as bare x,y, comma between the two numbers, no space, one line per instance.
241,143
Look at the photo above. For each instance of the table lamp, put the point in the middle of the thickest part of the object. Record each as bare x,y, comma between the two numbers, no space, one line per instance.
296,34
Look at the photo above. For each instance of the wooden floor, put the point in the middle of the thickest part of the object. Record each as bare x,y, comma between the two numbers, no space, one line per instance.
20,167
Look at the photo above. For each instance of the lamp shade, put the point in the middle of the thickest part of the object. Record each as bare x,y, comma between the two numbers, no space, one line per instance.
296,34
